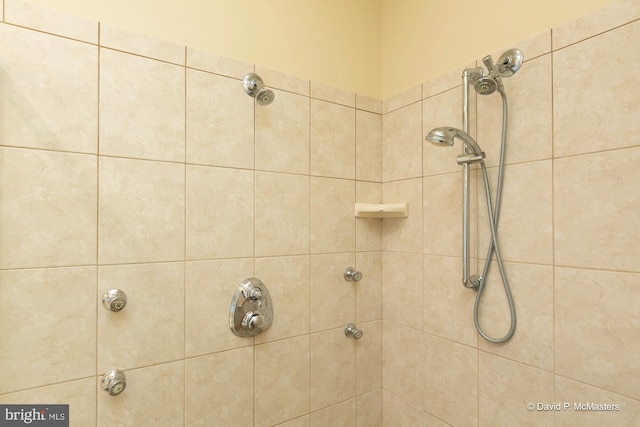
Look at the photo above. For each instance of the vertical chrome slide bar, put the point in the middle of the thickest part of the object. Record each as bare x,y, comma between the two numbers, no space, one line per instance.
465,182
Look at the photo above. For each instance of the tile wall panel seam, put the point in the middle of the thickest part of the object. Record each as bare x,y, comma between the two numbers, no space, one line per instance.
49,33
600,388
592,36
140,55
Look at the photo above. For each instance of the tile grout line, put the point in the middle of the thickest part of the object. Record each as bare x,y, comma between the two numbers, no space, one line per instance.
184,250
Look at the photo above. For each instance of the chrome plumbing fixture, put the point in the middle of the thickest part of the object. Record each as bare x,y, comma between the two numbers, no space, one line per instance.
254,86
350,331
251,310
114,300
352,275
508,64
114,382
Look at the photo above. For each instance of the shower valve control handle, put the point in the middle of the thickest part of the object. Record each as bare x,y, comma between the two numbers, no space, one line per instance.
255,320
352,275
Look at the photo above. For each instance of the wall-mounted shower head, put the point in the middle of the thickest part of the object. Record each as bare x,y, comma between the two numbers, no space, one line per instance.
254,86
446,135
485,85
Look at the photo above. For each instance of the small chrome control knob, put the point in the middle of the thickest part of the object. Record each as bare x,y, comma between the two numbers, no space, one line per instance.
350,331
114,382
351,275
254,294
114,300
255,320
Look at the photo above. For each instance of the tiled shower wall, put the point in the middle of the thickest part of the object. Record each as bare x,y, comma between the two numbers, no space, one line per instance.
568,231
130,163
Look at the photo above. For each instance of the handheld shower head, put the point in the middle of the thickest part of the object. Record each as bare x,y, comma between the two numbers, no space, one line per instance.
446,135
509,62
253,85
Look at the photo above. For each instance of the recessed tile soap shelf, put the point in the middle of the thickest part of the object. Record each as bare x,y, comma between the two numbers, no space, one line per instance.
382,210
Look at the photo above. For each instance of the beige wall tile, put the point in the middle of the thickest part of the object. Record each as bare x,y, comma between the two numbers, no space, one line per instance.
446,82
210,286
282,134
298,422
525,229
282,214
532,342
596,203
369,357
572,392
596,328
287,279
403,99
333,140
369,289
369,104
276,79
507,387
611,16
403,363
48,213
402,143
402,290
150,329
368,155
45,342
451,381
369,409
220,212
79,395
281,380
444,110
333,226
432,421
220,128
333,299
340,415
140,44
333,370
368,230
34,16
442,210
56,110
593,120
217,387
154,396
141,117
208,61
141,211
403,234
448,305
396,412
529,116
331,94
531,48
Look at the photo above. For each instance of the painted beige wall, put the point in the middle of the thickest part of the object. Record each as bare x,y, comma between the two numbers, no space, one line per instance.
333,42
373,47
423,39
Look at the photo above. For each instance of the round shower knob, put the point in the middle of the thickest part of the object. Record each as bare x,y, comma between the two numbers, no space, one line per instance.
114,382
351,275
350,331
255,320
114,300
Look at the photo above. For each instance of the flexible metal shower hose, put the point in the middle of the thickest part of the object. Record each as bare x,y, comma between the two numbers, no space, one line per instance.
493,244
